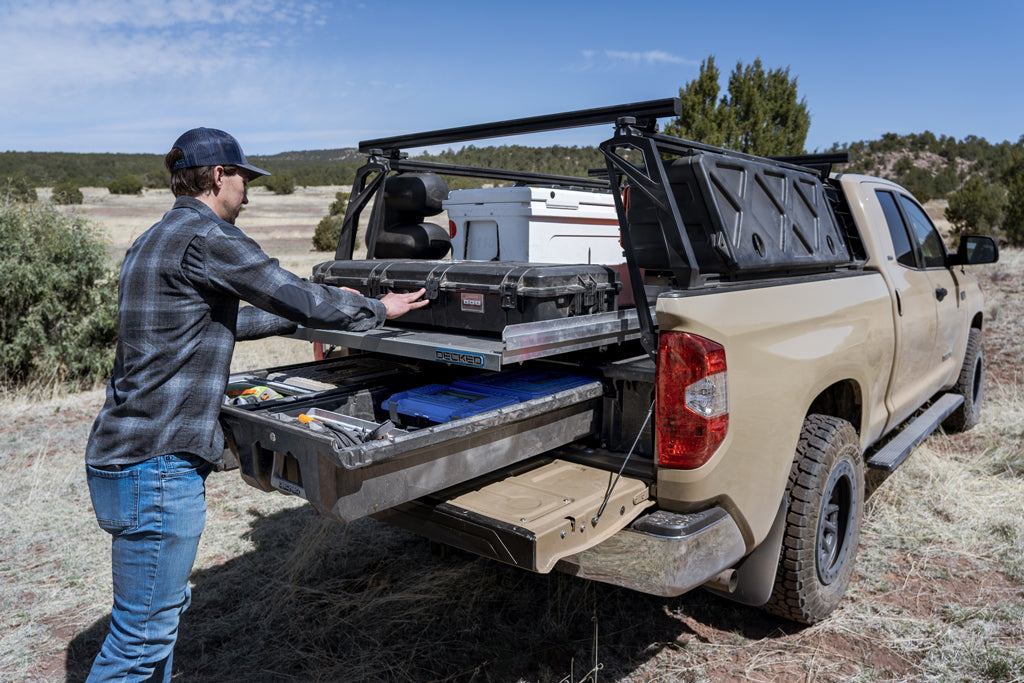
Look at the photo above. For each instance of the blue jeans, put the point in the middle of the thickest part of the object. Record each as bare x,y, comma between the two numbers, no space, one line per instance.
155,511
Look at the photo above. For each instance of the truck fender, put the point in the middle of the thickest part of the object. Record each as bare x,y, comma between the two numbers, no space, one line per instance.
755,573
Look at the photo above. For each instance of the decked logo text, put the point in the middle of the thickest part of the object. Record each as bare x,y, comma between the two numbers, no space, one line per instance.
459,357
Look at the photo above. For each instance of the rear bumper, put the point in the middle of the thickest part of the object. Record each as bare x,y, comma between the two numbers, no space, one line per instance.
663,553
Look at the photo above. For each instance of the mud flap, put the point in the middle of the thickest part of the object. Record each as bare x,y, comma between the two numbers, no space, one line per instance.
755,574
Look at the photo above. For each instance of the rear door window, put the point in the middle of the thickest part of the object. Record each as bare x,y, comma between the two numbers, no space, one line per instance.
897,229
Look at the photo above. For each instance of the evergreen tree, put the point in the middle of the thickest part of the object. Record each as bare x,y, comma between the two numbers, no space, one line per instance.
280,183
769,119
702,117
1013,219
67,193
127,184
761,114
328,230
58,312
976,207
16,188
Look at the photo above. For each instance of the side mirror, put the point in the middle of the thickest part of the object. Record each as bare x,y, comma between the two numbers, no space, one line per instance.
975,250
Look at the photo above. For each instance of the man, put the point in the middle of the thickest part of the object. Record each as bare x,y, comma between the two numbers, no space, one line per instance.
157,436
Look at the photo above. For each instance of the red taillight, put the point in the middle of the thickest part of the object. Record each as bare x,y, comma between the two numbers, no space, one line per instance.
452,229
692,405
318,351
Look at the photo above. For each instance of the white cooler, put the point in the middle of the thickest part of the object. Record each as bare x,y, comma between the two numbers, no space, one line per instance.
534,224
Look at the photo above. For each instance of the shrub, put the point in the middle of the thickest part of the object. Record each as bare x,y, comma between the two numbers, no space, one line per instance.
159,179
976,207
920,182
16,188
1013,215
328,230
127,184
338,206
280,183
66,193
58,299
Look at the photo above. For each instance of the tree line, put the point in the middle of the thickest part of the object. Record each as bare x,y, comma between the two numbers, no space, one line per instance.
976,176
931,166
48,169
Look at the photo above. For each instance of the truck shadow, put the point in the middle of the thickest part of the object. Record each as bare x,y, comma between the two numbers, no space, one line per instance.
318,600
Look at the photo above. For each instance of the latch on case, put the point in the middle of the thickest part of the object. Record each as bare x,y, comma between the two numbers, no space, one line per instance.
373,282
432,285
508,294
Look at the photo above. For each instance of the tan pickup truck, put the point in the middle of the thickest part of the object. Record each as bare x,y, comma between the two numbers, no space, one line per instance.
802,329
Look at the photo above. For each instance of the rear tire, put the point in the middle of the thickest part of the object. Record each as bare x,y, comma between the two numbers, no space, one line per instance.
970,384
826,505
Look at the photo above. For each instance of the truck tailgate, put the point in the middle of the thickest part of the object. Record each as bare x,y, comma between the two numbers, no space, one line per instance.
277,451
532,515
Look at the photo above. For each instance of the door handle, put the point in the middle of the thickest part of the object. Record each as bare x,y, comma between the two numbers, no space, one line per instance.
940,293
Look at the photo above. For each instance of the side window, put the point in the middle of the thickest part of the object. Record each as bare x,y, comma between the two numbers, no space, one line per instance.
897,230
932,248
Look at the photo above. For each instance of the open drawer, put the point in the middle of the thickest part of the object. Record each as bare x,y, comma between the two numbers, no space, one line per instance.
347,478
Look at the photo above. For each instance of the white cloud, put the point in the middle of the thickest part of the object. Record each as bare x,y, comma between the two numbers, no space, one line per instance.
78,74
126,15
609,60
82,44
650,57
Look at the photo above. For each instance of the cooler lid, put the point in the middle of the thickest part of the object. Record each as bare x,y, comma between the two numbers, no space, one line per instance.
550,197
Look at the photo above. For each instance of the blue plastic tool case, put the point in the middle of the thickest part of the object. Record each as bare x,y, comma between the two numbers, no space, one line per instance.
522,384
443,403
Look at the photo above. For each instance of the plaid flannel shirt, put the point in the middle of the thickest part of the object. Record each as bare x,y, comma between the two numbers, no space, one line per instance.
178,319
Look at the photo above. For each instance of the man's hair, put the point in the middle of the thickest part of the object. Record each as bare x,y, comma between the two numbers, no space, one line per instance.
191,182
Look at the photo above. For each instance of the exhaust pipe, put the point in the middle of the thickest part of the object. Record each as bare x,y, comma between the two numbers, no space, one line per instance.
724,581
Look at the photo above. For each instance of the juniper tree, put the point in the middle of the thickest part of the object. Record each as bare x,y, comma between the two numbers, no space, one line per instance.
760,115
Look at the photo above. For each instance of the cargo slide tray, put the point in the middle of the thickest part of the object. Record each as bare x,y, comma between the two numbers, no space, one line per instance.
517,343
347,478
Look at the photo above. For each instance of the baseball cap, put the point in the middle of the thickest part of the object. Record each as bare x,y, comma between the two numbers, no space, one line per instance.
212,147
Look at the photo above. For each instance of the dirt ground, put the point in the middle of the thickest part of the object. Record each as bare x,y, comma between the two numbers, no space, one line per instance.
281,594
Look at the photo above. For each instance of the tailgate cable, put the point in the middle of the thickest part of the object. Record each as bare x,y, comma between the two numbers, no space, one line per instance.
600,511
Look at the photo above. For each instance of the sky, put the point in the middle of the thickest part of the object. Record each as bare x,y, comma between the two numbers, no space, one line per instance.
120,76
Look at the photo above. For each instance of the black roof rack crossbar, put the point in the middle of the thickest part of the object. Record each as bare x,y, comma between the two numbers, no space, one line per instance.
500,174
822,163
644,113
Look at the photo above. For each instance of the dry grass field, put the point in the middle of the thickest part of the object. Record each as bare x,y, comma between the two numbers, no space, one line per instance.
281,594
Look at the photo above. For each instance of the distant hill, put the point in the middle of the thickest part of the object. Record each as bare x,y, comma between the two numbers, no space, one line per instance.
316,156
45,169
930,166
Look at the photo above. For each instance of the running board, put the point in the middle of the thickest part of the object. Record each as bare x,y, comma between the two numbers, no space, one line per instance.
917,430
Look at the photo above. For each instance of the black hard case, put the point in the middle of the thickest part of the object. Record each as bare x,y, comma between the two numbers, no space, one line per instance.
743,216
481,296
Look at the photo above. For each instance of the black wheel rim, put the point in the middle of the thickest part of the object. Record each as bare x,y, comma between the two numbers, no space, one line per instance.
976,383
835,522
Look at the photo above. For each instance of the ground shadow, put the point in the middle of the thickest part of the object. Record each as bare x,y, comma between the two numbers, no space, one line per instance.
319,600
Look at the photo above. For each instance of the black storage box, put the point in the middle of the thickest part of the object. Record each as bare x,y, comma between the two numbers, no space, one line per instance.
743,216
481,296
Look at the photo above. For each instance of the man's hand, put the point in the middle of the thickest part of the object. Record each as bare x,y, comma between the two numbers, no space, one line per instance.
400,304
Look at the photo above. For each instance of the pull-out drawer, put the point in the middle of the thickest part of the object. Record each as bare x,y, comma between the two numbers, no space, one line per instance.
348,478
